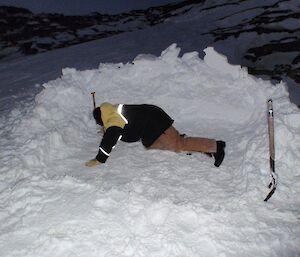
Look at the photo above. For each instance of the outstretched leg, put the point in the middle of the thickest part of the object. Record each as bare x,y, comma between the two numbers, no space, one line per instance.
171,140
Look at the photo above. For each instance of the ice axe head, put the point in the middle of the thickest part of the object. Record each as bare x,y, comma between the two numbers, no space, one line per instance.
94,102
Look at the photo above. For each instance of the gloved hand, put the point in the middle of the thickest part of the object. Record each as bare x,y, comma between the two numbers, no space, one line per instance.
92,163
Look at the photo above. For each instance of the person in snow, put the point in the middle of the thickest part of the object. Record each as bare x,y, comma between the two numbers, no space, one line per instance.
151,125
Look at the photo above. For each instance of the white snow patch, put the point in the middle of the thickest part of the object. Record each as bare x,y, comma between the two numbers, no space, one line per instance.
151,203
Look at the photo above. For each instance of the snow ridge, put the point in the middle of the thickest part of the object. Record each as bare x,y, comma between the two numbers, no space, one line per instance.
151,203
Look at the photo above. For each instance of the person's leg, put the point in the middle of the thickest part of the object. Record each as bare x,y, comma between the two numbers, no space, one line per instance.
197,144
171,140
167,140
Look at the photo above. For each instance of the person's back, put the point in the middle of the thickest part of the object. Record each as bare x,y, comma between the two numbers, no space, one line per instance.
146,122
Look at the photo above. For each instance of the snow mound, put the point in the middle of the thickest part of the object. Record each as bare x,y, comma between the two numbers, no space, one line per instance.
151,203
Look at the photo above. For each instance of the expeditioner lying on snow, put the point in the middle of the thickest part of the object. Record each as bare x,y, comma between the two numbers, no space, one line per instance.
151,125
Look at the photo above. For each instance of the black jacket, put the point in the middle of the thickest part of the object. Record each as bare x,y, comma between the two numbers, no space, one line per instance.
141,122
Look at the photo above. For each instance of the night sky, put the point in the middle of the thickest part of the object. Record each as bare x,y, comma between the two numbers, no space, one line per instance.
85,6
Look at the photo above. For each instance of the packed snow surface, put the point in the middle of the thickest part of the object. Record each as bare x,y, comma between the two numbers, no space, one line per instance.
149,202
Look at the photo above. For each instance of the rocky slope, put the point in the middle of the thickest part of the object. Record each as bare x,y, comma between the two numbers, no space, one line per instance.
23,32
276,27
264,35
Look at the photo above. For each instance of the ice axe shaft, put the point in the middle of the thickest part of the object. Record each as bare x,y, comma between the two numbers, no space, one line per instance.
94,102
273,183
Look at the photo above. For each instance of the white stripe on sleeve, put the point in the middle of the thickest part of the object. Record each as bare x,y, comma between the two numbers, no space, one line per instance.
107,154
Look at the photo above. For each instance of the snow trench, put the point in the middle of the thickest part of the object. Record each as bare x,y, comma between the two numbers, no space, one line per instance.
145,202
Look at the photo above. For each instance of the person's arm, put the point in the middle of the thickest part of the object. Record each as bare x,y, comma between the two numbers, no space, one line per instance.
114,124
109,140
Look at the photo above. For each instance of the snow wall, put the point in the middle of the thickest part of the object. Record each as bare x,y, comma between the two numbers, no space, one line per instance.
150,203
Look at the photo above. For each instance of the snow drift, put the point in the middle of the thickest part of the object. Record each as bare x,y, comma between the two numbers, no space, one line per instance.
151,203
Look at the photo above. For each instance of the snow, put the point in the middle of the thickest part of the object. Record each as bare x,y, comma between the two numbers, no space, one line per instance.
148,202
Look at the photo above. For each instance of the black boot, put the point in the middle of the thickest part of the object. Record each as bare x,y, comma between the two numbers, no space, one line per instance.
219,155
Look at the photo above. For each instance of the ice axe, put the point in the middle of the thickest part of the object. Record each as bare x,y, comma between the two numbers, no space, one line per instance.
94,102
273,183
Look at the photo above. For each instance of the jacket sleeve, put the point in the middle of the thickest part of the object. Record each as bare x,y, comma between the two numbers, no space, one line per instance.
109,140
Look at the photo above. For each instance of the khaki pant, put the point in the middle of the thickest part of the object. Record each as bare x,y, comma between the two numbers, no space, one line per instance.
171,140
